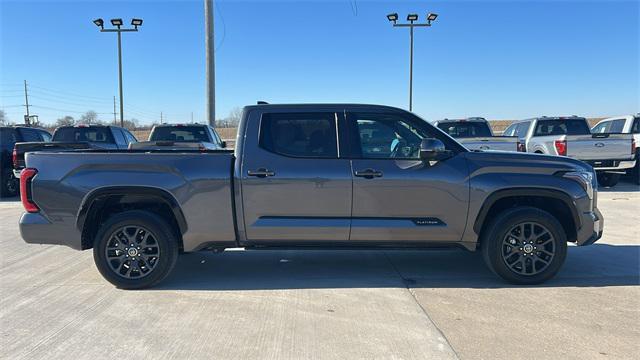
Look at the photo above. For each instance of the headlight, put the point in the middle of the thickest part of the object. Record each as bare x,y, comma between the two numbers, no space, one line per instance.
584,178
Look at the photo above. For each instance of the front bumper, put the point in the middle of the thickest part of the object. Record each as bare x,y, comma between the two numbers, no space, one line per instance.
611,165
591,229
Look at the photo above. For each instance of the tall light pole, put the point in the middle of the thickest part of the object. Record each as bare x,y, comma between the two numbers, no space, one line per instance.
411,18
118,24
210,71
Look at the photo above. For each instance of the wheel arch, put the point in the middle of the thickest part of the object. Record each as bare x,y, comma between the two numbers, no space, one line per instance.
556,202
116,199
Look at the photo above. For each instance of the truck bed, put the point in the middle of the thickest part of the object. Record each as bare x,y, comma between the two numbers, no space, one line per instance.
201,182
500,143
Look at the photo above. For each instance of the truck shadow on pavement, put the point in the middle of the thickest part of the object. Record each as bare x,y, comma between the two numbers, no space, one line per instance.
598,265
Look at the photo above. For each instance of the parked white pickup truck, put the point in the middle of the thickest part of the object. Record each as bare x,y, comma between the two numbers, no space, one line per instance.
609,154
626,124
475,134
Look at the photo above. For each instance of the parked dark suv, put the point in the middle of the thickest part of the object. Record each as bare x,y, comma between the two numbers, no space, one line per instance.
10,135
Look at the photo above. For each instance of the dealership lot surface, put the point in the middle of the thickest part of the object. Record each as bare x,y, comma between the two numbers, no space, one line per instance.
326,304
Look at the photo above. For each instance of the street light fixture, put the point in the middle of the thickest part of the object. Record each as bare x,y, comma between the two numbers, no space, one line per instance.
99,23
118,23
411,18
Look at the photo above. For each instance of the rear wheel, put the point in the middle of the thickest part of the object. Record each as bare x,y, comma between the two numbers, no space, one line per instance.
608,179
524,245
135,250
9,184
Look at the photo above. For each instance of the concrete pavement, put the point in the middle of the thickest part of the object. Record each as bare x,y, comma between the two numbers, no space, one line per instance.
326,304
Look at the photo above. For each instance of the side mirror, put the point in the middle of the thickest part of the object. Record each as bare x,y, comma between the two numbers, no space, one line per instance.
433,150
223,144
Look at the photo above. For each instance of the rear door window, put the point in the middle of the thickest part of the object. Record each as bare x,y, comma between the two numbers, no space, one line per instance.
617,126
305,135
522,129
29,135
45,136
562,127
119,136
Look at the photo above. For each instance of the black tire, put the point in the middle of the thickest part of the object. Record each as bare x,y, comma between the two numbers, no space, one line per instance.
150,233
10,184
495,238
608,179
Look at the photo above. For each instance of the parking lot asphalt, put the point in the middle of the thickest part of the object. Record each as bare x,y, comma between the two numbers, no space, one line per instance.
326,304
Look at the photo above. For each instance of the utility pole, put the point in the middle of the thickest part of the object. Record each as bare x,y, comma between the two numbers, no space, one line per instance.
192,117
210,61
114,111
411,18
27,119
160,117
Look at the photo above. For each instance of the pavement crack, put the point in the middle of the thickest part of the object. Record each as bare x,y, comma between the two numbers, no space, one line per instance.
407,282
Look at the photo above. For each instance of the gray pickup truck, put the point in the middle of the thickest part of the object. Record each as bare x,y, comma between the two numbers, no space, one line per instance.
475,134
609,154
312,176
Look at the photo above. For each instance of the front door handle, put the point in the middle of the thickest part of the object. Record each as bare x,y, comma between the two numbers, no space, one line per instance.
368,173
261,173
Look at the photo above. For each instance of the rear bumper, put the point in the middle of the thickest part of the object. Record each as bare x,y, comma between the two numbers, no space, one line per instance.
611,165
591,229
37,229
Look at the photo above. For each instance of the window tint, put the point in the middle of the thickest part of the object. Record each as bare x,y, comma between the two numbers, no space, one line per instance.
465,129
300,134
8,137
129,137
89,134
30,135
521,129
385,136
602,128
45,136
635,128
117,133
509,131
562,127
180,134
617,126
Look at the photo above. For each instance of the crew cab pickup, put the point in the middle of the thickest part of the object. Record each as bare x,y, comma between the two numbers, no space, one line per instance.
609,154
625,124
476,134
9,136
181,137
74,138
337,176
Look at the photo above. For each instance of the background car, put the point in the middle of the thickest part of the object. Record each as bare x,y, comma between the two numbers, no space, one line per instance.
9,136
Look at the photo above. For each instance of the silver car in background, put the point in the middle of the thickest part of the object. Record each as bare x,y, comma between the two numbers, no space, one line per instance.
475,134
181,137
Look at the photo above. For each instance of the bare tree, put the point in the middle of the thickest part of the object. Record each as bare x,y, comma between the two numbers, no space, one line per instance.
65,121
89,118
2,117
232,120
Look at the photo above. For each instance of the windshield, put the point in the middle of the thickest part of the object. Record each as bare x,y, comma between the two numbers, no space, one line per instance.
180,134
562,127
88,134
466,129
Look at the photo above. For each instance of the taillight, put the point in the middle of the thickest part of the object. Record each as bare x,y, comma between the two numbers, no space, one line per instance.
14,158
520,147
25,190
561,147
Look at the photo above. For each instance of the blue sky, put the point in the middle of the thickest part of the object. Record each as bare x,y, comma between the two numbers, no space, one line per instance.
501,59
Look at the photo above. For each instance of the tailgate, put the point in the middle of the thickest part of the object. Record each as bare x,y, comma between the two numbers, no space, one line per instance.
501,143
24,147
600,147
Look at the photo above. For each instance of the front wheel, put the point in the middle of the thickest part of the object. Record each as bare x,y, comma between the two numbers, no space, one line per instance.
524,245
135,250
608,179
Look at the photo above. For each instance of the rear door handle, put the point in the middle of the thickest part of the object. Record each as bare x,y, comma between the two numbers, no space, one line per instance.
261,173
368,173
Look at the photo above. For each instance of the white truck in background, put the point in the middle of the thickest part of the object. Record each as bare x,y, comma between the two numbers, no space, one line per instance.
475,134
609,154
625,124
